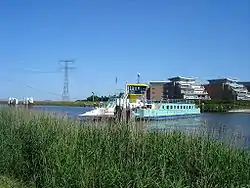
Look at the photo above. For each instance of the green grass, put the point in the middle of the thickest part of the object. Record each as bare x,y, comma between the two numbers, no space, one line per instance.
9,183
54,152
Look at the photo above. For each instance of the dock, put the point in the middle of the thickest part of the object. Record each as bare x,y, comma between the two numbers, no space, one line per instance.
239,111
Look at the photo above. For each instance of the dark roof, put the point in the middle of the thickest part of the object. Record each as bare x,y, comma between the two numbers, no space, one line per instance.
246,84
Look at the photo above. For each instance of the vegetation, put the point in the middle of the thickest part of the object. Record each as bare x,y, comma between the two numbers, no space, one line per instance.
223,105
66,103
54,152
6,182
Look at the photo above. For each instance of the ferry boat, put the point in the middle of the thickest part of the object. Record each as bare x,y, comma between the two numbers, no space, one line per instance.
169,109
133,97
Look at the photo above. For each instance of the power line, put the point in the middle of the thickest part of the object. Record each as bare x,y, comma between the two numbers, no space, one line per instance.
31,70
36,71
65,94
29,86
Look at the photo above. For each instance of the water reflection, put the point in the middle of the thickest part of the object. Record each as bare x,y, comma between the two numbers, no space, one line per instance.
188,124
233,136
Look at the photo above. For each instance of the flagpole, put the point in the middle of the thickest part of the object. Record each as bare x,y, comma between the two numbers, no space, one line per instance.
116,81
138,78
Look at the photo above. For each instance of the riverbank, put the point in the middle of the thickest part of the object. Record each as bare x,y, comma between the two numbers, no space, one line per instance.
62,103
222,105
208,105
55,152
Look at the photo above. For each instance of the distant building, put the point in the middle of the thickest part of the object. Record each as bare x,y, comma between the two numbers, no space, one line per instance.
177,88
185,88
246,84
156,90
227,89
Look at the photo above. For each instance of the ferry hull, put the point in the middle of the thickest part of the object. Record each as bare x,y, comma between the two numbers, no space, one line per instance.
167,117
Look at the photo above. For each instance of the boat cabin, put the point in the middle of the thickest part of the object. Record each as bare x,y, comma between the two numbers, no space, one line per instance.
136,92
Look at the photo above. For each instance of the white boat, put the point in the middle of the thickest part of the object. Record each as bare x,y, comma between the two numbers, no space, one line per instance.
134,96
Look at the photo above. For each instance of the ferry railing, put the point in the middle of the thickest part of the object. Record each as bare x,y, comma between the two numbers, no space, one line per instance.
181,101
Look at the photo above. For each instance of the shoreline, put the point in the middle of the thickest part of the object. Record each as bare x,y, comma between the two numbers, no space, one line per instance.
210,106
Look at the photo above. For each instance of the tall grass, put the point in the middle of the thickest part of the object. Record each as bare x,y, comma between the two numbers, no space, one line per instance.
54,152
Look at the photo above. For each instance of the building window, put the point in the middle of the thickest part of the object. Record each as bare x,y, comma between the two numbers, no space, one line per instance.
153,88
153,92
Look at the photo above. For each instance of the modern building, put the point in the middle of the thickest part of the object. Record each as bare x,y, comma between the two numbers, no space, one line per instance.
177,88
185,88
227,89
246,84
156,90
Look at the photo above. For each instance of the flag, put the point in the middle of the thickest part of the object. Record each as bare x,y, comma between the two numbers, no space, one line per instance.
116,80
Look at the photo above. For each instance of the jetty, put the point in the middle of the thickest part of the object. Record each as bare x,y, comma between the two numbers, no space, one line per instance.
12,101
239,111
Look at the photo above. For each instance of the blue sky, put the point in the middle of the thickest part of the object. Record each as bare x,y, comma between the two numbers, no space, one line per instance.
109,38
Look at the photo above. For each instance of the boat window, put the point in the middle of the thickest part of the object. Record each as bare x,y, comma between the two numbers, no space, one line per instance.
181,107
189,107
171,107
174,107
167,107
137,89
177,107
162,107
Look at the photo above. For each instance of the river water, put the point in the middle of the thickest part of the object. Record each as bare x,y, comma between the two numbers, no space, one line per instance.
228,127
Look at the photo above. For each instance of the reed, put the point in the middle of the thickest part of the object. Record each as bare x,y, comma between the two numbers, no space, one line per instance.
56,152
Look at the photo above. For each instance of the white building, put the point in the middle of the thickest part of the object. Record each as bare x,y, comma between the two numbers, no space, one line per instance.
185,88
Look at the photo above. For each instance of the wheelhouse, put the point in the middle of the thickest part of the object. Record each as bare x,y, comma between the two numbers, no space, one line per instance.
136,91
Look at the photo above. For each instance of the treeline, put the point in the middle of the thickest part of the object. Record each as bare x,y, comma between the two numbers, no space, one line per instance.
95,98
222,105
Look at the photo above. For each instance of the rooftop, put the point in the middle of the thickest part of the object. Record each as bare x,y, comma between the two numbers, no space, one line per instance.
247,84
223,80
182,78
138,84
157,81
